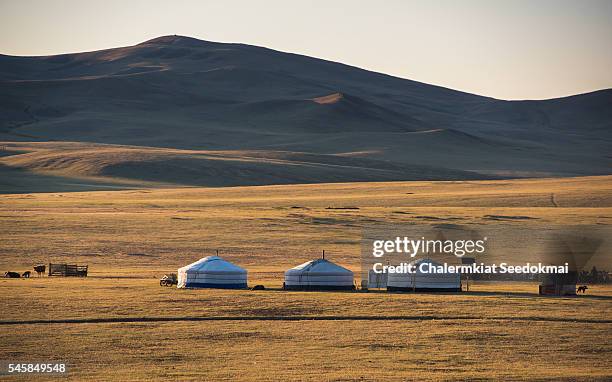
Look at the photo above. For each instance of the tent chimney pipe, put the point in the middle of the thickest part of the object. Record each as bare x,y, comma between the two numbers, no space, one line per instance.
323,254
217,252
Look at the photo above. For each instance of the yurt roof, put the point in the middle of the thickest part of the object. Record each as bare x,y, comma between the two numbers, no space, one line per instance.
417,262
212,264
320,266
424,260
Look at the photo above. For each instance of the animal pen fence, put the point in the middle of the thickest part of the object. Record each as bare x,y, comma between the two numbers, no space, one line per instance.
67,270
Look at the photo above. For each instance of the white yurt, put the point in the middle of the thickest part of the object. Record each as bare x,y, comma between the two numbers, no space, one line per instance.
212,272
320,274
424,282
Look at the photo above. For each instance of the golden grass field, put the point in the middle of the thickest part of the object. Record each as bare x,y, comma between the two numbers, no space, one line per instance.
120,324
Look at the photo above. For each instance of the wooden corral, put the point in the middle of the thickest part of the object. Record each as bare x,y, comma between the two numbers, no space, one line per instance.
67,270
558,284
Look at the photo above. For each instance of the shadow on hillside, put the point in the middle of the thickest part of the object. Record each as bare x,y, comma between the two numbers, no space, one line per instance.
18,181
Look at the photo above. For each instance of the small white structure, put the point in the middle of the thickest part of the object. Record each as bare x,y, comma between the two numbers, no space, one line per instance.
377,280
212,272
424,282
319,274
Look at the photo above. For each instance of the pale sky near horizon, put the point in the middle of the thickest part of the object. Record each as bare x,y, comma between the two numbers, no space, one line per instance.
513,49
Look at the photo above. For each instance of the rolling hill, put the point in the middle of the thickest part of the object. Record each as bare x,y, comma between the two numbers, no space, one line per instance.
181,101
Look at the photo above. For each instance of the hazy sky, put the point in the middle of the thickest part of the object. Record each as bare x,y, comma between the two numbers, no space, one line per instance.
510,49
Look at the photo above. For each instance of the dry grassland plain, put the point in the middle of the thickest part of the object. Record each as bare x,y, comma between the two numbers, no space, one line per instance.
118,323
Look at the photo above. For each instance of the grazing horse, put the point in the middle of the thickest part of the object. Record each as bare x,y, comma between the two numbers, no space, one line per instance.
12,275
26,274
582,289
40,269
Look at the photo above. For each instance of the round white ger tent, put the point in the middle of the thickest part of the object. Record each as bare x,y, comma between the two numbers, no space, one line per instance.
319,274
212,272
424,282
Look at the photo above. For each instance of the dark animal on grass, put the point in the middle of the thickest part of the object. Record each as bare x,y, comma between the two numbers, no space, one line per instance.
40,269
26,274
12,275
582,289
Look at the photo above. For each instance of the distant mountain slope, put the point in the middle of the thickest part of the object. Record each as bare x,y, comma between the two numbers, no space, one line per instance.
182,93
115,165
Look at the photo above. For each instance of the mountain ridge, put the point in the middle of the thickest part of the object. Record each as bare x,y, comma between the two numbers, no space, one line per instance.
179,92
